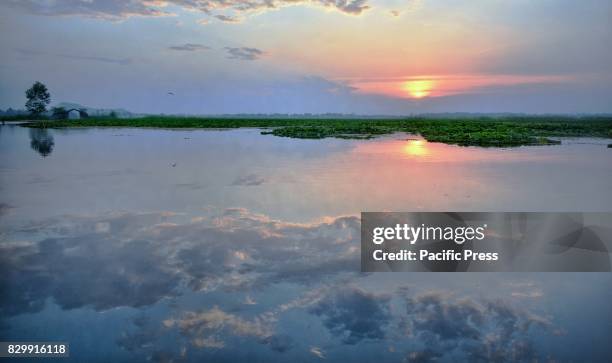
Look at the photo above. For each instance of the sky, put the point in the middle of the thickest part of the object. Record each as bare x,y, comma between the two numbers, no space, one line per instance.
384,57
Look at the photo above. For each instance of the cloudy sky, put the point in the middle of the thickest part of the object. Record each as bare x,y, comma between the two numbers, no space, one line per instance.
294,56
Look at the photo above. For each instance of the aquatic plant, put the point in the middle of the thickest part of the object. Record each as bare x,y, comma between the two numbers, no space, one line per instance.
481,131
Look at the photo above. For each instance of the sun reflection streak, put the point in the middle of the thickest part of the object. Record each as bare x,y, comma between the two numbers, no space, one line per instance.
416,148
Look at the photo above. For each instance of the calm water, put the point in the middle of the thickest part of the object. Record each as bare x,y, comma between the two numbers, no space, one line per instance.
228,245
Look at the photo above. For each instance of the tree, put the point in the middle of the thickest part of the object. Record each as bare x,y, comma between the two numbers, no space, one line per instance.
59,113
38,98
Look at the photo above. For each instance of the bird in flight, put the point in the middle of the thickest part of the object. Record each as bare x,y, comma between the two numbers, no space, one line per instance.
171,93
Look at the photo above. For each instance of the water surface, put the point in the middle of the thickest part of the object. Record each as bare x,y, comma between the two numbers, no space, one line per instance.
190,245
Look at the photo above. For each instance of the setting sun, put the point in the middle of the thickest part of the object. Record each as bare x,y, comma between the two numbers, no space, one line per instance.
419,88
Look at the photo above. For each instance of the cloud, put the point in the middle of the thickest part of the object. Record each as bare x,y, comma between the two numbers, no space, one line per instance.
188,47
102,59
243,53
227,18
354,314
108,10
353,7
119,61
119,9
249,180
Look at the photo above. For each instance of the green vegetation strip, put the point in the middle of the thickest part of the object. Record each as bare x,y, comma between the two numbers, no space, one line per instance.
485,131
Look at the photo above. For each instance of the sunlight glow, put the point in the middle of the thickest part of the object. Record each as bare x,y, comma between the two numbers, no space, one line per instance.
419,88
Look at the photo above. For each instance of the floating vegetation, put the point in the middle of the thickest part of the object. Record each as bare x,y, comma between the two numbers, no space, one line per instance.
480,131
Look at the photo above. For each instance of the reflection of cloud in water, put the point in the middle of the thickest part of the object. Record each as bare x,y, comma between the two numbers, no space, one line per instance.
353,314
316,351
474,330
525,290
4,209
92,270
431,325
203,273
311,300
203,327
135,260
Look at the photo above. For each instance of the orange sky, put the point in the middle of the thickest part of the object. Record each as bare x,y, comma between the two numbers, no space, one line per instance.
391,57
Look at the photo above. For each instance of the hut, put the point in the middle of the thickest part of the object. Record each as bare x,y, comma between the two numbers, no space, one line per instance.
74,114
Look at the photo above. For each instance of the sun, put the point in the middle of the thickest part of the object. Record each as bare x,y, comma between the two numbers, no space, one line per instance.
419,88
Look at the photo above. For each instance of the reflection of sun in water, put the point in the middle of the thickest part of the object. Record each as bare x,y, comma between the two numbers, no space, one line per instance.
419,88
416,148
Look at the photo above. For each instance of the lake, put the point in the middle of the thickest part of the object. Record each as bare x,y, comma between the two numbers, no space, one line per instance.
228,245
